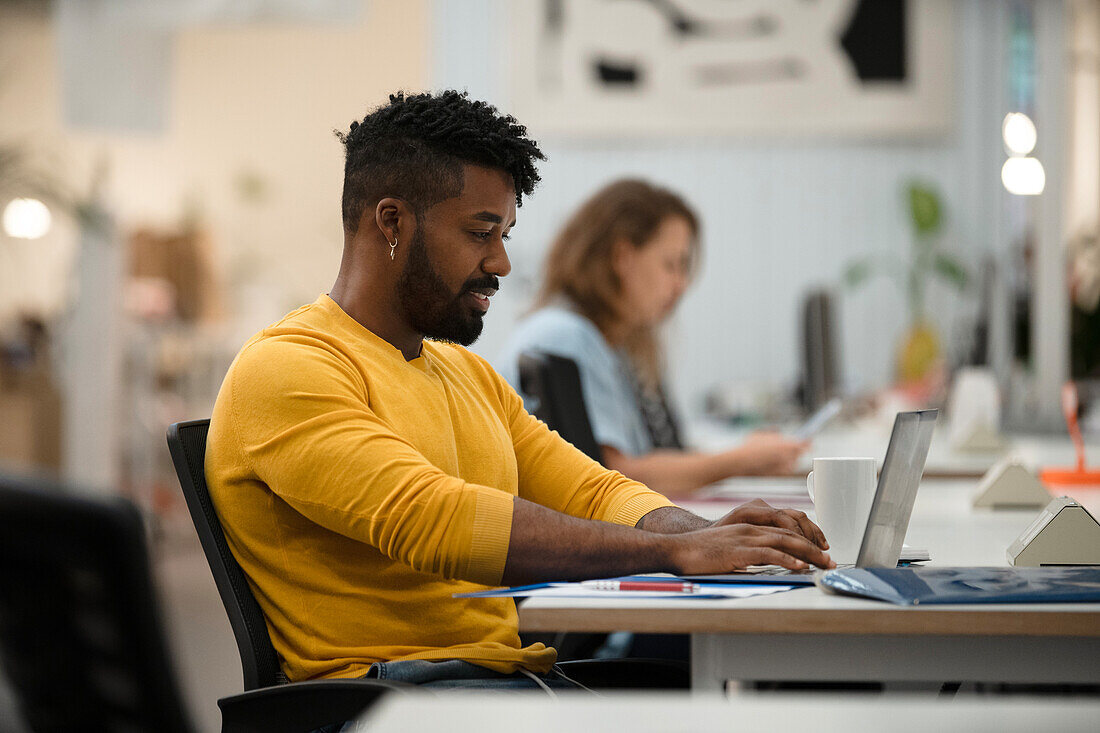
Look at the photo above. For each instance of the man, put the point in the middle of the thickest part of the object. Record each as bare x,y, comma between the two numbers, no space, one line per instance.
364,474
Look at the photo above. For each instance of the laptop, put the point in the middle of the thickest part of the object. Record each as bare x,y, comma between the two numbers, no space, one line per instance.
890,511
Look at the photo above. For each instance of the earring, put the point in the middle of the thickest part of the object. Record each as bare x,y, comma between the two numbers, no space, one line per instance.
393,246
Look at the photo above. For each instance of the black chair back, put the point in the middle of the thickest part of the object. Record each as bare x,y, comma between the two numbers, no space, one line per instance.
259,661
81,637
555,382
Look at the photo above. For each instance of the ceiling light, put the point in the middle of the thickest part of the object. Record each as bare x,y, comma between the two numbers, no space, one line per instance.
1023,176
1019,133
26,219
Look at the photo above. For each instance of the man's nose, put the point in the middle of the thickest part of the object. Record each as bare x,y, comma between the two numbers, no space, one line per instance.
497,263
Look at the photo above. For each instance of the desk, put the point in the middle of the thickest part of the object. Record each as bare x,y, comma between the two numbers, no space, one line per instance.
807,634
489,712
869,438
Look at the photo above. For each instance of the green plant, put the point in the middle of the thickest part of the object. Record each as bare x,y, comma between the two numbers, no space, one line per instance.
926,258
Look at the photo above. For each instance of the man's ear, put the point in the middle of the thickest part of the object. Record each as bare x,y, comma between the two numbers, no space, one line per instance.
395,219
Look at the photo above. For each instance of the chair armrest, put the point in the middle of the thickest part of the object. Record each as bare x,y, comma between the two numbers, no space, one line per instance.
301,707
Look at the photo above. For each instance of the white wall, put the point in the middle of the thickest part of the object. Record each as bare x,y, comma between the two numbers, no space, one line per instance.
779,216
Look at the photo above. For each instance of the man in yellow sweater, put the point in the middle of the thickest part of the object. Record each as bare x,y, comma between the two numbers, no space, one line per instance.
366,467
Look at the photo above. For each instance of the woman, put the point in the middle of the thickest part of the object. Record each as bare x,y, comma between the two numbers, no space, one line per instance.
614,274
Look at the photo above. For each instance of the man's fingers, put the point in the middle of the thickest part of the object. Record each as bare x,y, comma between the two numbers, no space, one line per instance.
791,519
741,544
772,556
809,530
794,544
781,519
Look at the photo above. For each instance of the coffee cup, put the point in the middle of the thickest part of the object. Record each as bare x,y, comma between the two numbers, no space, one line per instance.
842,490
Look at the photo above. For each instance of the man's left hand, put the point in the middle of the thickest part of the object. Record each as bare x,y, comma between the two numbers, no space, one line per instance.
761,513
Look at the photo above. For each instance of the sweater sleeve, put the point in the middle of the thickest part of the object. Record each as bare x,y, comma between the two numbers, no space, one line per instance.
555,474
303,425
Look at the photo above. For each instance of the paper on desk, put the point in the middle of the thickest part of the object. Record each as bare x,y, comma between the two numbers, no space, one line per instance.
576,590
774,490
913,554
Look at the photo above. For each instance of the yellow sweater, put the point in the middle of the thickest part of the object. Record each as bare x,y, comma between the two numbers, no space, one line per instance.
360,491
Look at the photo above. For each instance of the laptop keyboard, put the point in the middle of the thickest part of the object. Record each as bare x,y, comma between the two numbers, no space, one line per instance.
778,570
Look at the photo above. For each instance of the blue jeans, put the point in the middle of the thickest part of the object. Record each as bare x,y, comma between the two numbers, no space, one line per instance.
454,674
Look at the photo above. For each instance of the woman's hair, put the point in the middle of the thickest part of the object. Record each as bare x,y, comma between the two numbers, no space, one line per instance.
579,264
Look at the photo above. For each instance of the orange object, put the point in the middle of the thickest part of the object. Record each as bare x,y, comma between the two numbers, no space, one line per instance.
1079,476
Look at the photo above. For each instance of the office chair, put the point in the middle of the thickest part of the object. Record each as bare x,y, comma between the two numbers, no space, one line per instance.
81,637
555,382
269,703
187,443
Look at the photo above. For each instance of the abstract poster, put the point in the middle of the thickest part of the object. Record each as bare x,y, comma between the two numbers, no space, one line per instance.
772,67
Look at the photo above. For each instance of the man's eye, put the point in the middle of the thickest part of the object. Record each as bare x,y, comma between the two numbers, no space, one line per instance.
482,235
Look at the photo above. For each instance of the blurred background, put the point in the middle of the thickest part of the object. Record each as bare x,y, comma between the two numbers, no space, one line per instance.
920,178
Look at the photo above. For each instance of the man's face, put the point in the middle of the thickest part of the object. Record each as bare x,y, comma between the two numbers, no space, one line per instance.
456,257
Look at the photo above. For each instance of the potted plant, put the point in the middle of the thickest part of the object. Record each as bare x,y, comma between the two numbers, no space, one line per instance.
919,351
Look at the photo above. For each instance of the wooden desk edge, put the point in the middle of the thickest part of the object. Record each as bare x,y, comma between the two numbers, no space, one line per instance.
894,621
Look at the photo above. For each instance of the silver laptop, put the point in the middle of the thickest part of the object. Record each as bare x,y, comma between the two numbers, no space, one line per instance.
892,506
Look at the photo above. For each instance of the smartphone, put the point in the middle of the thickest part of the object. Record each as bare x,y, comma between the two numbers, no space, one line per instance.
815,422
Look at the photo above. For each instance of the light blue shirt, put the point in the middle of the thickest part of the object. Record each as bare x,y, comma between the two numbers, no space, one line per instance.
605,380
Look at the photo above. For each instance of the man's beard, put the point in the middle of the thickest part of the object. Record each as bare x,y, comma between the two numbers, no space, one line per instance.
428,303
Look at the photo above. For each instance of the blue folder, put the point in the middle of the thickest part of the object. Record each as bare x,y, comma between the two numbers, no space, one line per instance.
914,586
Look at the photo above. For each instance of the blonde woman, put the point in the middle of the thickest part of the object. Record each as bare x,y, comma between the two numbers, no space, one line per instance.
613,275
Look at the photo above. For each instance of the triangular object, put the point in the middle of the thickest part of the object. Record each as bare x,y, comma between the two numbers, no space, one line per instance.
981,439
1008,485
1064,533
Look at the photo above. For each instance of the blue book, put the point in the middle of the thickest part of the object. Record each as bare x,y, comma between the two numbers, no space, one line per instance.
914,586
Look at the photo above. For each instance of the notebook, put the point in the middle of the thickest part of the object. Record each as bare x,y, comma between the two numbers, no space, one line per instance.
915,586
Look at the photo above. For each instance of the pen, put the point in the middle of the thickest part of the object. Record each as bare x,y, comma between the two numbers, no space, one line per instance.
657,585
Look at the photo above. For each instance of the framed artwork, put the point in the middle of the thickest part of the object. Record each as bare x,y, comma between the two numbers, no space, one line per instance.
763,67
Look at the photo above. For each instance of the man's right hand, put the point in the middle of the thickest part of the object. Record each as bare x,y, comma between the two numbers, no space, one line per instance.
731,547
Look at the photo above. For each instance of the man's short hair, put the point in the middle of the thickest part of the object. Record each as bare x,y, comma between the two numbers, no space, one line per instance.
414,148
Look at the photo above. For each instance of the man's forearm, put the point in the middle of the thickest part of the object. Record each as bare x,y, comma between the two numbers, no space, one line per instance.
671,520
548,545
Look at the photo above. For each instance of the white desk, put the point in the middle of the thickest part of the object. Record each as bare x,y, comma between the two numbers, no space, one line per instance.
870,438
496,713
806,634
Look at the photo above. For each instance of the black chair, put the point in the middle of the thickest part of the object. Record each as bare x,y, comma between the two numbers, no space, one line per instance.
269,703
81,637
187,443
555,382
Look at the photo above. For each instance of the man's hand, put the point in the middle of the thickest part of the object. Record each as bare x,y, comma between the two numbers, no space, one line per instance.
722,549
547,545
758,512
767,452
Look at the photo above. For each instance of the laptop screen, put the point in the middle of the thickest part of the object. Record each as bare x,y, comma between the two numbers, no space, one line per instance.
897,489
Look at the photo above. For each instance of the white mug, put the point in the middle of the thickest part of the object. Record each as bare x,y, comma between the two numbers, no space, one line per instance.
842,490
